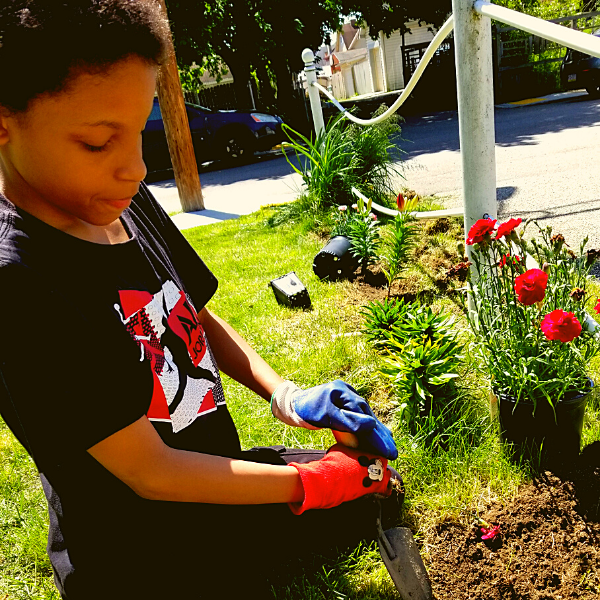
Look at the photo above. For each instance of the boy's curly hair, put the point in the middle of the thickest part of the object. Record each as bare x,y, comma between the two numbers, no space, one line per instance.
45,43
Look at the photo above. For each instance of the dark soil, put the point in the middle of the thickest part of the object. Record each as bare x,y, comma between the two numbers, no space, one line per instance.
548,547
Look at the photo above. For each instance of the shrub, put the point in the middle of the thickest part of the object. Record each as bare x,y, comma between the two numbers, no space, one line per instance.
343,156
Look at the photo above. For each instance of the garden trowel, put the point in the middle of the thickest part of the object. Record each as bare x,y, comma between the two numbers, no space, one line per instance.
398,550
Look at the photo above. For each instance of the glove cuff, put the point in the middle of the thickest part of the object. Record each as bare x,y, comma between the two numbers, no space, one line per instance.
282,405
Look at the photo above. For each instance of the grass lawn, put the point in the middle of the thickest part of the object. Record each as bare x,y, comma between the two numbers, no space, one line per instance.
451,473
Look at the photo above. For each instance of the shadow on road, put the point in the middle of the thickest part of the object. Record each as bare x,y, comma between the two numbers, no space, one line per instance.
564,210
516,126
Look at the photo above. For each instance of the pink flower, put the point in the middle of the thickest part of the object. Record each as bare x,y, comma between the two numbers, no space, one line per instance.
481,230
561,325
400,202
505,229
355,206
373,216
530,287
342,208
489,533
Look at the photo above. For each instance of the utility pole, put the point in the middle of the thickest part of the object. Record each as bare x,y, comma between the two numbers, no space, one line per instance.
177,130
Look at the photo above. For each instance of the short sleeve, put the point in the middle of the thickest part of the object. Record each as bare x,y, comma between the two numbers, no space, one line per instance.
68,381
197,279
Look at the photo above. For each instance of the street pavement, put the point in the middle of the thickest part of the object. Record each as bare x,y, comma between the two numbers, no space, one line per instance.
546,161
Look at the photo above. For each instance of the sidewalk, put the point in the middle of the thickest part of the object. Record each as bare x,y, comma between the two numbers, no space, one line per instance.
228,194
559,97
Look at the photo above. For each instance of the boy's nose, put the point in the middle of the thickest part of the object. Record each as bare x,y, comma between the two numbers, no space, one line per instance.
132,167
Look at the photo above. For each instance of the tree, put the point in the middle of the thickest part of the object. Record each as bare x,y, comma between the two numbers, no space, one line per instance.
266,38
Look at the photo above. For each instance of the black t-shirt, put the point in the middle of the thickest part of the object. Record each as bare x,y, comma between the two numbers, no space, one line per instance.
94,337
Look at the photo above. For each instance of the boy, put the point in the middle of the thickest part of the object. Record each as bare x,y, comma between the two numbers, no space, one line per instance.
108,356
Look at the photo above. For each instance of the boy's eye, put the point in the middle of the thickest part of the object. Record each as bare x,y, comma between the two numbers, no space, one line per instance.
91,148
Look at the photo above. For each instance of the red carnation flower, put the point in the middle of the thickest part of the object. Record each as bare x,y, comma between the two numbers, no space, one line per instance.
561,325
505,229
480,230
530,287
597,307
400,202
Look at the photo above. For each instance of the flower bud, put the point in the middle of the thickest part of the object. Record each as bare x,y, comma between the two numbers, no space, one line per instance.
558,241
546,268
577,294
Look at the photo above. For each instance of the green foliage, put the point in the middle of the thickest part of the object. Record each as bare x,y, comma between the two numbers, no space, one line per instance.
381,317
417,369
521,361
422,352
344,156
363,232
400,242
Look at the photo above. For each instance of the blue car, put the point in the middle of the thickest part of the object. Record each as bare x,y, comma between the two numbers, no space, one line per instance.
230,135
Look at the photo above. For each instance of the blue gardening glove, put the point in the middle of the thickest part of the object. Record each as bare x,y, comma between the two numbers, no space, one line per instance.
334,405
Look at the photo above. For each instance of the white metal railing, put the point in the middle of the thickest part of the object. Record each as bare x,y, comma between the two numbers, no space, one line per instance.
584,42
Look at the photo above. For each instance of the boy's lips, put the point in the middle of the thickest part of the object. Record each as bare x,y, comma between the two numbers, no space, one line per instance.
120,204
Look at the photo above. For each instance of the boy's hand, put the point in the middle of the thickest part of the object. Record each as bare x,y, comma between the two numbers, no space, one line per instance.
343,474
337,406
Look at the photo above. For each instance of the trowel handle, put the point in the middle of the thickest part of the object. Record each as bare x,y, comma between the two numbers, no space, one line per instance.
348,439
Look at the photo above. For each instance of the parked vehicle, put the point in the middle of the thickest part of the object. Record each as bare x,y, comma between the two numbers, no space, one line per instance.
579,70
216,134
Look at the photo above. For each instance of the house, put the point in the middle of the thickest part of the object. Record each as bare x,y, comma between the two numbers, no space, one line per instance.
356,64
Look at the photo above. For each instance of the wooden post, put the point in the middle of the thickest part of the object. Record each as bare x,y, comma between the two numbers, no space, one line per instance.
177,130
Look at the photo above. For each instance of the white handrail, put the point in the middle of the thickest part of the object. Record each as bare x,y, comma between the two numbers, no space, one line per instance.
584,42
440,36
417,214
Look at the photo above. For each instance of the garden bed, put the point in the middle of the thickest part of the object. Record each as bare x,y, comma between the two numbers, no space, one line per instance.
548,546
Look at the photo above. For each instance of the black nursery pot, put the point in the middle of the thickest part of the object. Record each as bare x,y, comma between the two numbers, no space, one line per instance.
335,260
554,435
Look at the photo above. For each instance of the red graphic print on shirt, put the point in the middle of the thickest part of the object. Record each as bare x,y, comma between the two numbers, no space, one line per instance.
167,330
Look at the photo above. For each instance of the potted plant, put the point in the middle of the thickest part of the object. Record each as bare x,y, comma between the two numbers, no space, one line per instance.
534,334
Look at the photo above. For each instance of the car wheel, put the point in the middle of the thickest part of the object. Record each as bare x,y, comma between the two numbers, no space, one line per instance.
235,146
593,90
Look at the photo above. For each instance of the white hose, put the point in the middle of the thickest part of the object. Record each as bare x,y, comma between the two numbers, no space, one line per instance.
440,36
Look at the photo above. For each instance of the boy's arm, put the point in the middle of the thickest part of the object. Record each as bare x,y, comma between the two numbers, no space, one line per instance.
138,457
335,405
236,358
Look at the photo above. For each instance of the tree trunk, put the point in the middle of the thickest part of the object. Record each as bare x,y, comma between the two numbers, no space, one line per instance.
177,131
267,94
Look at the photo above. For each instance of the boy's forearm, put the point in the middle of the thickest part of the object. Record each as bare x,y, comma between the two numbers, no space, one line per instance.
139,458
192,477
237,358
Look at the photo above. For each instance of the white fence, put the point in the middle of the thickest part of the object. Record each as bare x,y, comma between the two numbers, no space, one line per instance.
471,21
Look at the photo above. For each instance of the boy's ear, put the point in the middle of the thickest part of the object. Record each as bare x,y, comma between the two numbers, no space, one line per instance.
3,126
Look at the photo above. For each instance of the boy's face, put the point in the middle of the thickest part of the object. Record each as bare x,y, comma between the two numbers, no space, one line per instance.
74,160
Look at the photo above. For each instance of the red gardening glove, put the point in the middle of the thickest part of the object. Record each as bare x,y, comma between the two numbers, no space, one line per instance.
343,474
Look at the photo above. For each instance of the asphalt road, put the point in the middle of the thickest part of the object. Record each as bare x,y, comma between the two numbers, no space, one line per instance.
547,163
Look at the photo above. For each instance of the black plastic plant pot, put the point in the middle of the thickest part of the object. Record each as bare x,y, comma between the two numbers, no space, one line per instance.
335,260
552,435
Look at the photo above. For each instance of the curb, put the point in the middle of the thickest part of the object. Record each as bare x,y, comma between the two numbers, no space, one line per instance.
559,97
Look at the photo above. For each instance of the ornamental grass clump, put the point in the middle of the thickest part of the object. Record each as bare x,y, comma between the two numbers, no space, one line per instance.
535,336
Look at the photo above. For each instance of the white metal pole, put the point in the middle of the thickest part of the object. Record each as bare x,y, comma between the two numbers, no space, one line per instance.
475,81
313,93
